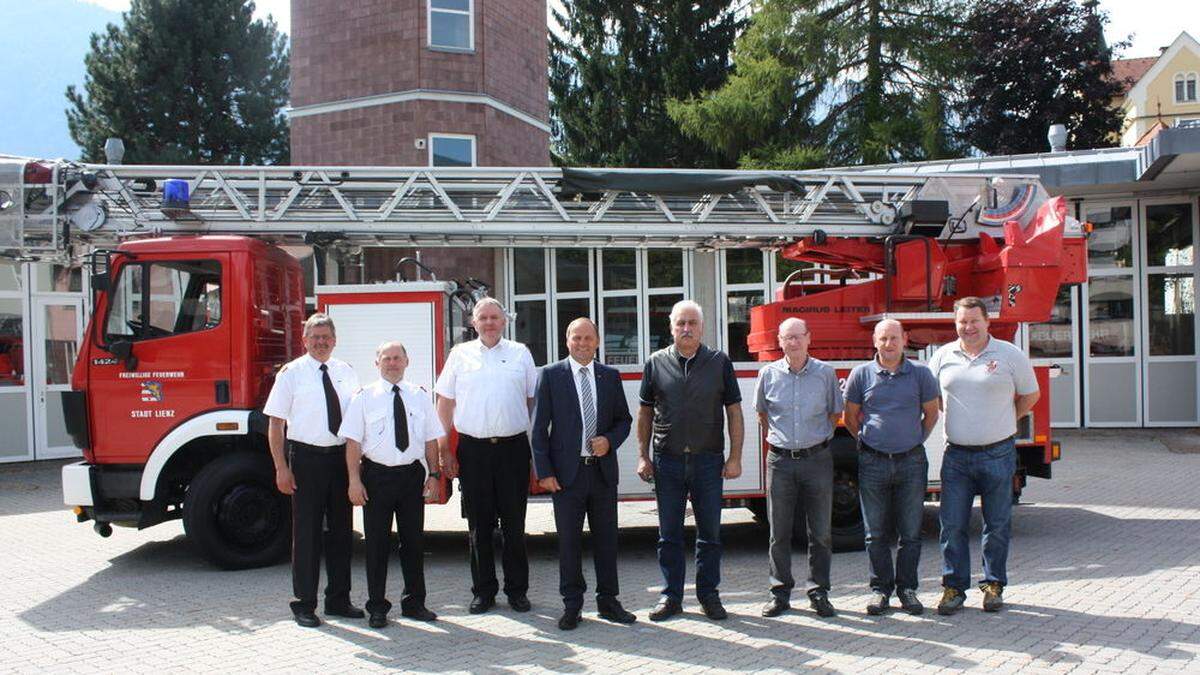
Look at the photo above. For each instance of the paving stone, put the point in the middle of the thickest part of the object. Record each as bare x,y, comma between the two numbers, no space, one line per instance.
1102,579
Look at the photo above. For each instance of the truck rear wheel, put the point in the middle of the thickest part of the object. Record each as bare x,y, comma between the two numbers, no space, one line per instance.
233,514
848,531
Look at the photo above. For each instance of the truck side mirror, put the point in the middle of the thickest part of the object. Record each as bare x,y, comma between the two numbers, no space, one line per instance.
123,349
100,282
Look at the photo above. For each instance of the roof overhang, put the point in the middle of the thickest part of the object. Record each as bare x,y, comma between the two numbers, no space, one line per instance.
1170,161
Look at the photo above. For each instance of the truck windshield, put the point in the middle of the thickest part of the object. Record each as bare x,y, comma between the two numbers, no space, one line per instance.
160,299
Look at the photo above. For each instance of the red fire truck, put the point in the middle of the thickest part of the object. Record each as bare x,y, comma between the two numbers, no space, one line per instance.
196,307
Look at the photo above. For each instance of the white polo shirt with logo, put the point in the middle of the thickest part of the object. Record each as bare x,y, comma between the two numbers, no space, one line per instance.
978,393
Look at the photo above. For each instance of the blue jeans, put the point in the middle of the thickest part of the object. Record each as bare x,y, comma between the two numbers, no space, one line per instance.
989,474
891,489
676,477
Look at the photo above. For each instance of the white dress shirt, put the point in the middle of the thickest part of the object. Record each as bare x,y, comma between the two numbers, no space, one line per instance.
369,421
491,387
591,385
298,396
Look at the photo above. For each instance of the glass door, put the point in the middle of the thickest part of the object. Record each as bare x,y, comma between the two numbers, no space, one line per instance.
16,443
57,329
1168,289
1056,343
1111,351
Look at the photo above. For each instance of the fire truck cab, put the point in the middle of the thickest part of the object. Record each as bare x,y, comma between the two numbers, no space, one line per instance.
185,338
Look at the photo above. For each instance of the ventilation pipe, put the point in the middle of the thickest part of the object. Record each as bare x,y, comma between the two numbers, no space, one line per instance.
1057,137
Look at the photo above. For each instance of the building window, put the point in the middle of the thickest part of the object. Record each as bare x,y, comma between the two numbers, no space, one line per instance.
451,150
745,273
1185,87
627,292
451,24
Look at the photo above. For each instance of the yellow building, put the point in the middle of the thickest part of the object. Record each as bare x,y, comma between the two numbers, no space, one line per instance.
1162,91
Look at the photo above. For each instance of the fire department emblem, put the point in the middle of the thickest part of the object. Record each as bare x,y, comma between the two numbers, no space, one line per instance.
152,391
1013,290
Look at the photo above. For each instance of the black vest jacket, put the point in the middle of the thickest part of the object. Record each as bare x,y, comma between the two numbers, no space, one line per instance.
689,412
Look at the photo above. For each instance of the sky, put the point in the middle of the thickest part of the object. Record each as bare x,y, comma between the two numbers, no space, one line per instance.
33,122
1153,23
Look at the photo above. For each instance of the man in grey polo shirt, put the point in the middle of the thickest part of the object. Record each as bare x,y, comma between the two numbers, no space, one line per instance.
891,406
987,385
798,401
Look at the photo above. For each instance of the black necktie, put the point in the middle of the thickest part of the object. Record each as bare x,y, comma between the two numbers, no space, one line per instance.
333,407
400,419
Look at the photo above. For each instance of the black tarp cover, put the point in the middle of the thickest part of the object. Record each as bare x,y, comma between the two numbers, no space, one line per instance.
667,182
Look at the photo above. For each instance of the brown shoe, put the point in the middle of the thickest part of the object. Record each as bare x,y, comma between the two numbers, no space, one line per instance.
952,601
993,596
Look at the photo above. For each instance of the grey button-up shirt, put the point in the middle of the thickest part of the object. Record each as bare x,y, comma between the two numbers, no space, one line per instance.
798,404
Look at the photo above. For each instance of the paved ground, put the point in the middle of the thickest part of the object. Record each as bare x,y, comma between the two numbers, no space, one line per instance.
1105,578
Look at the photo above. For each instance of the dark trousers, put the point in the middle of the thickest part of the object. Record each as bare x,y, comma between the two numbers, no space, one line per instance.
891,489
495,484
394,492
809,480
676,478
589,494
321,522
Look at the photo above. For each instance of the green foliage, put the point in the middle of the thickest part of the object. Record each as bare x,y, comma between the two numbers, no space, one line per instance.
852,81
615,65
1034,63
184,81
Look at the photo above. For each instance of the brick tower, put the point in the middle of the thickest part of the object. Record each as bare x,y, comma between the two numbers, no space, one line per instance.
420,83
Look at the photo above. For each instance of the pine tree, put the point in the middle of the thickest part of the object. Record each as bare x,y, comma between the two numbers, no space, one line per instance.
185,82
849,82
613,66
1035,63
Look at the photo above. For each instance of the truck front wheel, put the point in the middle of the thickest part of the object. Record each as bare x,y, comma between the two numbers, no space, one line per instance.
233,514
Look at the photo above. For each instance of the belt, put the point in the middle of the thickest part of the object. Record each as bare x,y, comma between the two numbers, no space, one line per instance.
866,448
319,449
799,453
390,467
980,448
494,439
589,460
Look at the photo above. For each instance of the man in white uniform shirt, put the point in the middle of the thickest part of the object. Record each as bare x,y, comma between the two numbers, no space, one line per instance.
486,392
391,432
987,385
310,395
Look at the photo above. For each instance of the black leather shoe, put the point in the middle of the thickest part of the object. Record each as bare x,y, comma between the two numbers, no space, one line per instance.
776,606
665,609
569,620
480,604
821,605
346,612
377,620
879,604
713,608
519,603
614,612
307,619
419,614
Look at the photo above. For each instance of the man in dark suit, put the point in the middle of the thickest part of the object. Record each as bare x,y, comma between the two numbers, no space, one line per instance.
580,419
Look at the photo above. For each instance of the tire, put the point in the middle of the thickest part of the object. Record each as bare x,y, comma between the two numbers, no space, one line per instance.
234,515
848,531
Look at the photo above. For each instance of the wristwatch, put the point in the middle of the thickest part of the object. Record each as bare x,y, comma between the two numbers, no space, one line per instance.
435,474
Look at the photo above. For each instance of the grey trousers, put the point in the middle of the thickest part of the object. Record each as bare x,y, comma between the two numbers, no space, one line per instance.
810,480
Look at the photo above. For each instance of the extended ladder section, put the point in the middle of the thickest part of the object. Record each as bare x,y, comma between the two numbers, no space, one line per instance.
46,207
